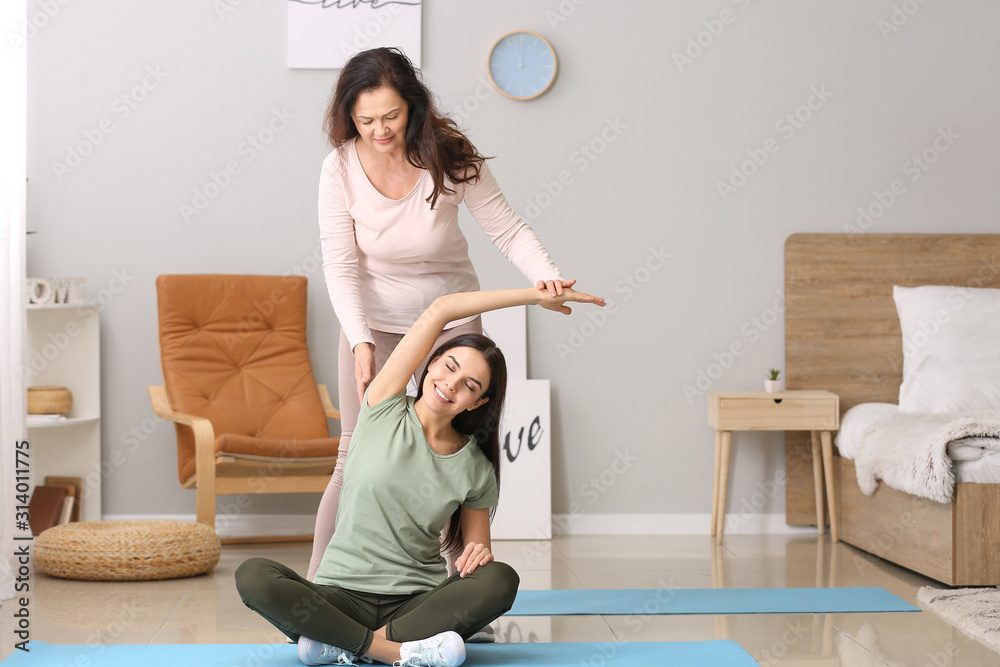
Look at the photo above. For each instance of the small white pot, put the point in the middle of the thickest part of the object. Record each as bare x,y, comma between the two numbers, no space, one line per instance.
772,386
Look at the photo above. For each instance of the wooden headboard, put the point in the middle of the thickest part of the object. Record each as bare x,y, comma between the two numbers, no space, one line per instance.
841,329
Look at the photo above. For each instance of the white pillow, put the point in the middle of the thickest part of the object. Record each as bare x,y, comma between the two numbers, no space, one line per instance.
951,348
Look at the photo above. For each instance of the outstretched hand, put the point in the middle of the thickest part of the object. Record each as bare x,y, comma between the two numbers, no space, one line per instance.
557,303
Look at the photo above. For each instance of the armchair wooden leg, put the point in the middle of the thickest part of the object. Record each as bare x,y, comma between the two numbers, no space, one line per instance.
206,505
205,476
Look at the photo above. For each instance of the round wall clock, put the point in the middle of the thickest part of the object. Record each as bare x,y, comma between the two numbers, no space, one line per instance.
522,65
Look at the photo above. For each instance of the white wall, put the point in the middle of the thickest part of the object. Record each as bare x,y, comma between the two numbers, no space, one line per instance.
663,135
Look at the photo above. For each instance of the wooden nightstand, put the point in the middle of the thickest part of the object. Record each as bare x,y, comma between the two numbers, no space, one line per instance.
815,411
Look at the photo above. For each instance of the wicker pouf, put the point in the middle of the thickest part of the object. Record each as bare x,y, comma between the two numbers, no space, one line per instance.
127,550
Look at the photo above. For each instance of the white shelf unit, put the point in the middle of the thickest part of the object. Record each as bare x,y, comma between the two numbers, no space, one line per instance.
64,350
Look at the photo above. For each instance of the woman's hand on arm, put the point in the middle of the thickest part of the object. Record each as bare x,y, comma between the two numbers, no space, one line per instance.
554,287
364,367
464,304
476,531
567,295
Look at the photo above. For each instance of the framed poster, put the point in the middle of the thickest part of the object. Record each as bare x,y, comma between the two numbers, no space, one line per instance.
525,509
508,329
324,34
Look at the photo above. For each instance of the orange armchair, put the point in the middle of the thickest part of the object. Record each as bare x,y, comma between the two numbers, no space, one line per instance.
239,387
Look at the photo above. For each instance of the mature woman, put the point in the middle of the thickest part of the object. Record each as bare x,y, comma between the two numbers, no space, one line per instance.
388,214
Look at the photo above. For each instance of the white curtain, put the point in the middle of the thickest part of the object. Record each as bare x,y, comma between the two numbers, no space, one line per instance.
13,171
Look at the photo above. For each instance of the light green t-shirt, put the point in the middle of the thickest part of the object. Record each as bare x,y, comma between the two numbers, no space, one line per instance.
398,495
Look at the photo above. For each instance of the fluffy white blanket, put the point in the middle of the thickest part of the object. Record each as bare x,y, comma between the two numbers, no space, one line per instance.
909,451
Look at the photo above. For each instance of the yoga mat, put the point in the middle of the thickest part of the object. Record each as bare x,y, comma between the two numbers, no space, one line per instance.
707,601
718,653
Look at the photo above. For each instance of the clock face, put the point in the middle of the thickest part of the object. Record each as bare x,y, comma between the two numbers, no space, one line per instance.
522,65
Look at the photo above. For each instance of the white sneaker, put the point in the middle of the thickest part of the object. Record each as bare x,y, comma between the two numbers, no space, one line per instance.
312,652
445,649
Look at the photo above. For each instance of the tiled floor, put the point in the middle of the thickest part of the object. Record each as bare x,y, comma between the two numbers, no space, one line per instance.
207,610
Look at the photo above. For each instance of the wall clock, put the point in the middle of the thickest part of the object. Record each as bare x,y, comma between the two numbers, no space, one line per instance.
522,65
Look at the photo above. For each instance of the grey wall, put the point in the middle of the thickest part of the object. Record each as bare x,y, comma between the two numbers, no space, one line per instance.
662,135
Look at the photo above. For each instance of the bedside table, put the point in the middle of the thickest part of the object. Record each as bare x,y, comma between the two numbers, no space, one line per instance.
815,411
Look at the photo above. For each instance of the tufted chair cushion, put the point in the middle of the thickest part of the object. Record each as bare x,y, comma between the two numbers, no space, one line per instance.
234,351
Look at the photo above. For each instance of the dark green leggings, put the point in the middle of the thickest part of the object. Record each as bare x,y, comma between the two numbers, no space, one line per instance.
346,619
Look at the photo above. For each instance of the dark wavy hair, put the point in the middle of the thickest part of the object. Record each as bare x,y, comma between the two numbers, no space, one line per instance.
483,422
432,140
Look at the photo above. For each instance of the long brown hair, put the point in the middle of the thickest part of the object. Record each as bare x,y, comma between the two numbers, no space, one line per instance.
432,140
483,422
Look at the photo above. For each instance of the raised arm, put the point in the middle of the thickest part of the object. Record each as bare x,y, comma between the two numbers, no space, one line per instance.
420,339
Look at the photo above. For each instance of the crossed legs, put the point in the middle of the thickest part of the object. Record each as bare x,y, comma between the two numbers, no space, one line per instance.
372,624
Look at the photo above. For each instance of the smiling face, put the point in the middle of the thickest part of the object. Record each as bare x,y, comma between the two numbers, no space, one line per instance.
380,116
455,381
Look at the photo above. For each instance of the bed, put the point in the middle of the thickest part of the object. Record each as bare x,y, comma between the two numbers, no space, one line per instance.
842,334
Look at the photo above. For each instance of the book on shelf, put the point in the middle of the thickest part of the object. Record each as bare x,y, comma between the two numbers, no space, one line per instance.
74,487
66,513
45,507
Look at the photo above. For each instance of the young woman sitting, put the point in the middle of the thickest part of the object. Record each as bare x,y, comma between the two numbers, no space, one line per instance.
381,592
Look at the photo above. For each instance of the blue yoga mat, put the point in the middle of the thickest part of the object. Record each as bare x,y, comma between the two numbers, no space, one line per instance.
719,653
707,601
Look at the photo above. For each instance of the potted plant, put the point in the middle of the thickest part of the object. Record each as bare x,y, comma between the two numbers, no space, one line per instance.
772,384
